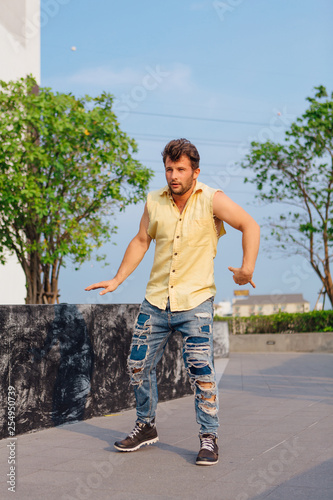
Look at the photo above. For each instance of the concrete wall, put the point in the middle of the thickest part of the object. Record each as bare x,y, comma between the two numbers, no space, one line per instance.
282,342
69,362
221,339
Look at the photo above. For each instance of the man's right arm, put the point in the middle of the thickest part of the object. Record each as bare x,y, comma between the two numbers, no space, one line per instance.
132,258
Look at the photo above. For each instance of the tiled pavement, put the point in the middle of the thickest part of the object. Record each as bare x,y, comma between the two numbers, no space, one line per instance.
276,443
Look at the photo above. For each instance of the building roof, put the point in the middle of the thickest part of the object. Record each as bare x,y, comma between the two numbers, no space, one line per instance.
285,298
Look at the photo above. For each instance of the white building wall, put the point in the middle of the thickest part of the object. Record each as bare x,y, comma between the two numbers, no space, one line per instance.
19,39
19,56
266,309
223,308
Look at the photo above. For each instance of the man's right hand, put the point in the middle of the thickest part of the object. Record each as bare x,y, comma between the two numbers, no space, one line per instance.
109,286
132,258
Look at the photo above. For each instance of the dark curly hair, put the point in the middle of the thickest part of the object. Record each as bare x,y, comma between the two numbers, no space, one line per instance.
178,147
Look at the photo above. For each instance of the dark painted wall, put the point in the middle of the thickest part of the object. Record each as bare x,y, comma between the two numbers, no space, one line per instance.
68,362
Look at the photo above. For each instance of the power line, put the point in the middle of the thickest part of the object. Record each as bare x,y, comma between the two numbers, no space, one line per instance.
200,118
155,138
194,139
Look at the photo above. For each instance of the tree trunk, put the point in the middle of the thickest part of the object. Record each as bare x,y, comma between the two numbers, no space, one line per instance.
329,288
41,282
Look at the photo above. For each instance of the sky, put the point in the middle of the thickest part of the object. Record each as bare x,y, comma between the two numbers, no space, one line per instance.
220,74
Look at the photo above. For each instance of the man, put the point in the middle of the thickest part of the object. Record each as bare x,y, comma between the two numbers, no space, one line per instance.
186,220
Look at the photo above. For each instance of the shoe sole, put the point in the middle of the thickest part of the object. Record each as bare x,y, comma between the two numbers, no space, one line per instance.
151,441
206,463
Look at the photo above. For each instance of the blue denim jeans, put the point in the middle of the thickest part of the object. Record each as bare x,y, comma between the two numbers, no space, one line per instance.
152,331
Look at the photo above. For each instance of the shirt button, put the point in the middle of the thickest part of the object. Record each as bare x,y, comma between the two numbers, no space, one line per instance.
175,254
173,270
179,219
177,236
171,286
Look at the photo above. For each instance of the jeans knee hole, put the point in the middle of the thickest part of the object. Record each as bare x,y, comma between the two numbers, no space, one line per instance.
142,319
138,352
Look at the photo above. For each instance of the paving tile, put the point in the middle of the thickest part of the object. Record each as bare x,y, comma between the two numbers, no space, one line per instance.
296,493
266,401
35,491
120,495
319,477
48,478
322,455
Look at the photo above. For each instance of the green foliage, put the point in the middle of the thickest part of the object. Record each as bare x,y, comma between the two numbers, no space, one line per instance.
65,168
221,318
299,173
315,321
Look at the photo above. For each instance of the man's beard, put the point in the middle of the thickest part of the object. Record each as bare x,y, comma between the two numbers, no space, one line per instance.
184,189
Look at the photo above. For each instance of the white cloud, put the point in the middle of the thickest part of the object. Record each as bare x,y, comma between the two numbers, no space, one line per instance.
169,78
179,79
104,75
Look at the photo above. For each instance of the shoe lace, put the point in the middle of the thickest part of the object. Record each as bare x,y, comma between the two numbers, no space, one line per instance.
208,443
135,431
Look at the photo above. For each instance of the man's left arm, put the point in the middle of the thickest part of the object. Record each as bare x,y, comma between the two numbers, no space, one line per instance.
228,211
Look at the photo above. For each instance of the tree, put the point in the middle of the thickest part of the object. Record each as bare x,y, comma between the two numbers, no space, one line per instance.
65,167
300,174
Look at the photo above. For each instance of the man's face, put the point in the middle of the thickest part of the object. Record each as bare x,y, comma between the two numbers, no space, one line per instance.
179,175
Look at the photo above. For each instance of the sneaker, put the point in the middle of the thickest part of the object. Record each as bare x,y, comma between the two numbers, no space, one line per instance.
209,451
141,434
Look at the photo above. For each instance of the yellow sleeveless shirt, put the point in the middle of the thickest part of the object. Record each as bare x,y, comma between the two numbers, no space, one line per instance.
183,268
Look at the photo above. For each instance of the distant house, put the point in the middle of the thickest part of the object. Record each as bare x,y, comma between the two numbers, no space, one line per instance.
223,308
270,304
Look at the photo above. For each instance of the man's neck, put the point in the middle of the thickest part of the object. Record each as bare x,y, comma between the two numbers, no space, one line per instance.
181,200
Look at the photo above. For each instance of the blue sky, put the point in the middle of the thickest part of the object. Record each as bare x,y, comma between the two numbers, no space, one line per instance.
218,73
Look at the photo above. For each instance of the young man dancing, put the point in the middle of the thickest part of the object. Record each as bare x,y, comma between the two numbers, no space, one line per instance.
185,218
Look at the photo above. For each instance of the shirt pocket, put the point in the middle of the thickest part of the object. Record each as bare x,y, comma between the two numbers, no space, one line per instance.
199,232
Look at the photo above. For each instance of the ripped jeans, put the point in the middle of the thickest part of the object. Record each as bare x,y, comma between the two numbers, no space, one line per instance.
152,330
